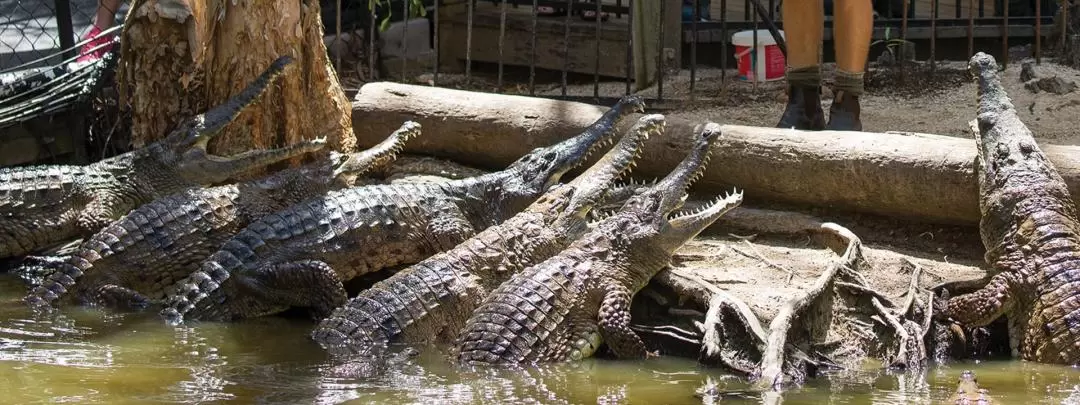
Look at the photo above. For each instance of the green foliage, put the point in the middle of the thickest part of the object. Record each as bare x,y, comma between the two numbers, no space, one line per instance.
416,9
894,46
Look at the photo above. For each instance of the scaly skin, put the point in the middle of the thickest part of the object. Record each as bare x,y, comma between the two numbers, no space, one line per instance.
1029,227
968,391
43,205
300,256
432,299
566,306
33,270
131,262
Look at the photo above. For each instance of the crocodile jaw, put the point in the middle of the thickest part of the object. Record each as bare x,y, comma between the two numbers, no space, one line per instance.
591,186
543,167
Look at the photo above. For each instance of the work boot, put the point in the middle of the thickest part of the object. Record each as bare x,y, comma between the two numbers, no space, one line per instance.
844,113
803,109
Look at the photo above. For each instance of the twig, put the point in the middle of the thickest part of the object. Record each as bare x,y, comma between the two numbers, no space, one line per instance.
859,288
742,237
717,298
913,288
772,359
757,255
669,331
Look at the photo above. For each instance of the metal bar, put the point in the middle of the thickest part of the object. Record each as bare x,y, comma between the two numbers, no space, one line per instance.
435,74
959,6
373,29
469,13
971,27
723,45
693,46
753,57
65,28
532,55
1038,32
629,43
596,64
502,37
903,38
1065,26
660,54
933,36
566,44
1005,35
405,39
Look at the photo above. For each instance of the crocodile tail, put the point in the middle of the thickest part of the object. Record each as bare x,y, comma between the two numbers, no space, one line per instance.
61,280
207,280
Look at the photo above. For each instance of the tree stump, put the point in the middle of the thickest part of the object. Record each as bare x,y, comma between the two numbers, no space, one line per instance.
180,57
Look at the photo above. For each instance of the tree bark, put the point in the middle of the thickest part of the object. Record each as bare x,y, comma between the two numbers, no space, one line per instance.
919,176
180,57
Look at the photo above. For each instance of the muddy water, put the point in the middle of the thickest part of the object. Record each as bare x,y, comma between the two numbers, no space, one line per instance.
88,356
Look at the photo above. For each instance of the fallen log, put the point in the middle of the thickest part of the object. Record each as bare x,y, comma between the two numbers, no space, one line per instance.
909,175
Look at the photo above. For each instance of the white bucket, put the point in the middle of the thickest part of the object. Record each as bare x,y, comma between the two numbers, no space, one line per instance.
762,63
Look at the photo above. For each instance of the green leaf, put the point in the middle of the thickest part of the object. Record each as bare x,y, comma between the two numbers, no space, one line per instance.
384,24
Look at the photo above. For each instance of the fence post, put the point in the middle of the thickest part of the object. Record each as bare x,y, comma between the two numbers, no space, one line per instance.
65,28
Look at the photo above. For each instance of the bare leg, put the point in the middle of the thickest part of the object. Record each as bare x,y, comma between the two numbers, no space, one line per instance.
854,27
106,13
804,22
104,18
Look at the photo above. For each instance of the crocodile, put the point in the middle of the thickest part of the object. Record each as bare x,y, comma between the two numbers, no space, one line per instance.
968,391
1030,230
431,300
33,270
130,263
299,257
44,205
564,307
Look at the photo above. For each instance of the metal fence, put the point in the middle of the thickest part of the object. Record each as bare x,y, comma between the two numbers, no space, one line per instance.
507,46
33,31
486,38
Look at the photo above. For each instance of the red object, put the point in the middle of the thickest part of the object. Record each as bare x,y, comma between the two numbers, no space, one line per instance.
748,61
88,51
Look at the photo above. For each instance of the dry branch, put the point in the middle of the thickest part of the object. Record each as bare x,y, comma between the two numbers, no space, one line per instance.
922,176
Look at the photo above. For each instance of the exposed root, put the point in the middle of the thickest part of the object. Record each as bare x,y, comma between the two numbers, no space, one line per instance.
771,376
911,352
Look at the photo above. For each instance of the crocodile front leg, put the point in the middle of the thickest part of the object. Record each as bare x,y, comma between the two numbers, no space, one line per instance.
308,283
982,306
99,213
614,320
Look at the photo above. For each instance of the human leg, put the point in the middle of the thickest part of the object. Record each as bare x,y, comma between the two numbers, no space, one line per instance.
853,29
104,18
804,22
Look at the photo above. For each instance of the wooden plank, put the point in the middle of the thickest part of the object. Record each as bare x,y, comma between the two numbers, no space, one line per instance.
517,42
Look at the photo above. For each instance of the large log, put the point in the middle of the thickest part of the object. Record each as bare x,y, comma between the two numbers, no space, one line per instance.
919,176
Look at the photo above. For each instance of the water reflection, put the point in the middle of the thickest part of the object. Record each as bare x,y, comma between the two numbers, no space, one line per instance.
92,356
